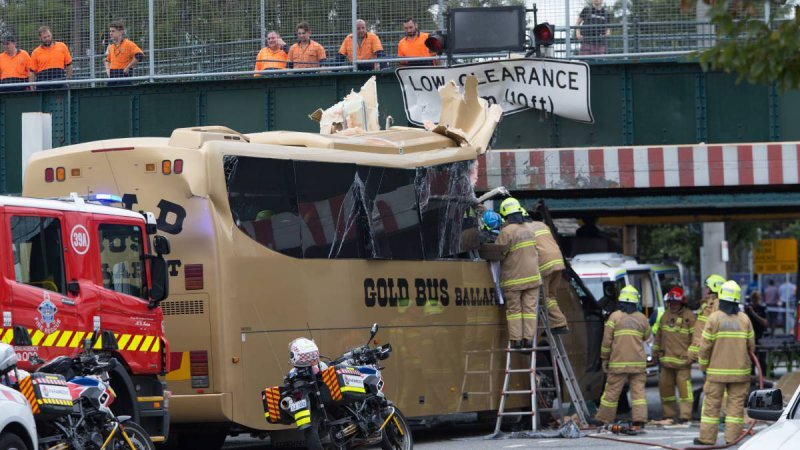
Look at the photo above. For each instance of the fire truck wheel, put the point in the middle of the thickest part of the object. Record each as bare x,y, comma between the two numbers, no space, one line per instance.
10,441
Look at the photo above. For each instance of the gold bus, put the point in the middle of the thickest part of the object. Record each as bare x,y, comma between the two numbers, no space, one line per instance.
277,235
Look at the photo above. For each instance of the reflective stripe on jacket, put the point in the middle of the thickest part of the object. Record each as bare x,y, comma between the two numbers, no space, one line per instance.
673,338
519,269
726,341
709,306
550,257
623,342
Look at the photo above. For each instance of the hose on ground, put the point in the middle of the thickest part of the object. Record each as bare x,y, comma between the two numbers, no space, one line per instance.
703,447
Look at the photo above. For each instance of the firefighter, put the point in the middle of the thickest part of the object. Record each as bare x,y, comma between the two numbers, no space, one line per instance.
675,328
551,265
727,339
624,359
709,305
519,274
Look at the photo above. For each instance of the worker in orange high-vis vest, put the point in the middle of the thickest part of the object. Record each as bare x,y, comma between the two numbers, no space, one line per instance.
122,55
368,46
551,267
710,304
727,341
675,328
15,64
413,45
273,56
51,61
624,359
519,274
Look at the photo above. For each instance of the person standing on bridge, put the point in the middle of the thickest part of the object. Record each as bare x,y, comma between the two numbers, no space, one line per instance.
15,64
551,267
519,274
306,53
593,28
710,305
50,61
368,46
122,55
273,56
413,45
673,338
727,340
624,359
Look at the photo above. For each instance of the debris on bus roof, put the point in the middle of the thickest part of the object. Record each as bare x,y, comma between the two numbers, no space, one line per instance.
356,113
466,119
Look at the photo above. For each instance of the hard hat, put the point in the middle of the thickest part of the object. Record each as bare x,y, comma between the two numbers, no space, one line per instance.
675,295
510,206
730,292
491,220
303,353
714,282
629,294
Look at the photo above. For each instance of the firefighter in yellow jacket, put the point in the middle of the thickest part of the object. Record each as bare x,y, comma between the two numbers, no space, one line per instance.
624,359
724,357
672,341
519,274
710,304
551,265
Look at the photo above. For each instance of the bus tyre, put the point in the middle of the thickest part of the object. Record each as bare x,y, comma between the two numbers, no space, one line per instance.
10,441
138,436
397,434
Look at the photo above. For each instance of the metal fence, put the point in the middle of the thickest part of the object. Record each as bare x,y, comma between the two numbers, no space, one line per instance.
201,38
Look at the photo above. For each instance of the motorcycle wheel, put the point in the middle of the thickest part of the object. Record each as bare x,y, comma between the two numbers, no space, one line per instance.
139,438
10,441
397,434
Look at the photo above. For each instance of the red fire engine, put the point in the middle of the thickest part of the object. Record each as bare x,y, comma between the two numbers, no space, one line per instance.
76,269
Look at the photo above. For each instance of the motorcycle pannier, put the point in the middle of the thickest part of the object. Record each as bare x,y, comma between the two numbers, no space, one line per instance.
346,384
47,394
271,398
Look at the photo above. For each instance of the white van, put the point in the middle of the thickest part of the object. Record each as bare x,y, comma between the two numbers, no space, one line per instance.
595,268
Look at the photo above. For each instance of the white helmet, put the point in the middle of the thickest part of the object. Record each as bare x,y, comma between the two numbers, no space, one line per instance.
303,353
8,358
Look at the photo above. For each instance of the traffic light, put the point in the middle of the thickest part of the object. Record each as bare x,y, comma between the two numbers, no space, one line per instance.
437,42
544,34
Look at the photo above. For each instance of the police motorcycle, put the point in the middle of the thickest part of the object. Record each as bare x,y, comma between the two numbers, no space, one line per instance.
339,403
70,398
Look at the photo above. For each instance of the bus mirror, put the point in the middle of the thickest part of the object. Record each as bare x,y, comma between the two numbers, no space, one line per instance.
161,245
159,279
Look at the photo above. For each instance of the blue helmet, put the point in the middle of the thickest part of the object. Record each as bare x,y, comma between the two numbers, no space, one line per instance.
491,220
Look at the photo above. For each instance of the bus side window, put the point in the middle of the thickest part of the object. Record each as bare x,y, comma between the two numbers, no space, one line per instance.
444,193
38,252
394,223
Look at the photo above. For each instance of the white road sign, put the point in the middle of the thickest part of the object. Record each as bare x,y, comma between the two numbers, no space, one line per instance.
558,87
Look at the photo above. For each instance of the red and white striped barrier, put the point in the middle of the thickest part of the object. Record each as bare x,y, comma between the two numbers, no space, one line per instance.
642,167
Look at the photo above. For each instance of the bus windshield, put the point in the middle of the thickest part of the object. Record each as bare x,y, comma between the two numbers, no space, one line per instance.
308,209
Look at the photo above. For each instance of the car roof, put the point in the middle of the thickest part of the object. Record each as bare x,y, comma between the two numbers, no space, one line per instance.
598,269
75,204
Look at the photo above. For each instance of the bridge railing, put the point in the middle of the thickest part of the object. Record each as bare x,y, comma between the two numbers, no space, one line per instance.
221,38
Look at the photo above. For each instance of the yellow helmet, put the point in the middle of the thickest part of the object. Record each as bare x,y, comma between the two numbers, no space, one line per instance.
629,294
730,292
510,206
714,282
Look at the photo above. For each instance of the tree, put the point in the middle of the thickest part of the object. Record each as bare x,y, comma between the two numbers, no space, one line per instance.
758,51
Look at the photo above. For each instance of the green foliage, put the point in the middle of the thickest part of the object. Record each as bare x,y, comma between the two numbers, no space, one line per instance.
675,241
757,51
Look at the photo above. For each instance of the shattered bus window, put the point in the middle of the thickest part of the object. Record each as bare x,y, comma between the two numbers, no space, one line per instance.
444,193
263,201
393,218
331,203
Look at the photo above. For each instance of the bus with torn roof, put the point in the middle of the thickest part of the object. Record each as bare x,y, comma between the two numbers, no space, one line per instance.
277,235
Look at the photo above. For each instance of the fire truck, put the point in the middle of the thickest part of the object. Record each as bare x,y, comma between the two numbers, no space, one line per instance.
75,271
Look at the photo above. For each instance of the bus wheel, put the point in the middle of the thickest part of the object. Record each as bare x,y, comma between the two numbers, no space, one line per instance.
202,440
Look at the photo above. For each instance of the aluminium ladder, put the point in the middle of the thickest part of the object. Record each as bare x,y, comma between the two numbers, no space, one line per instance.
559,364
